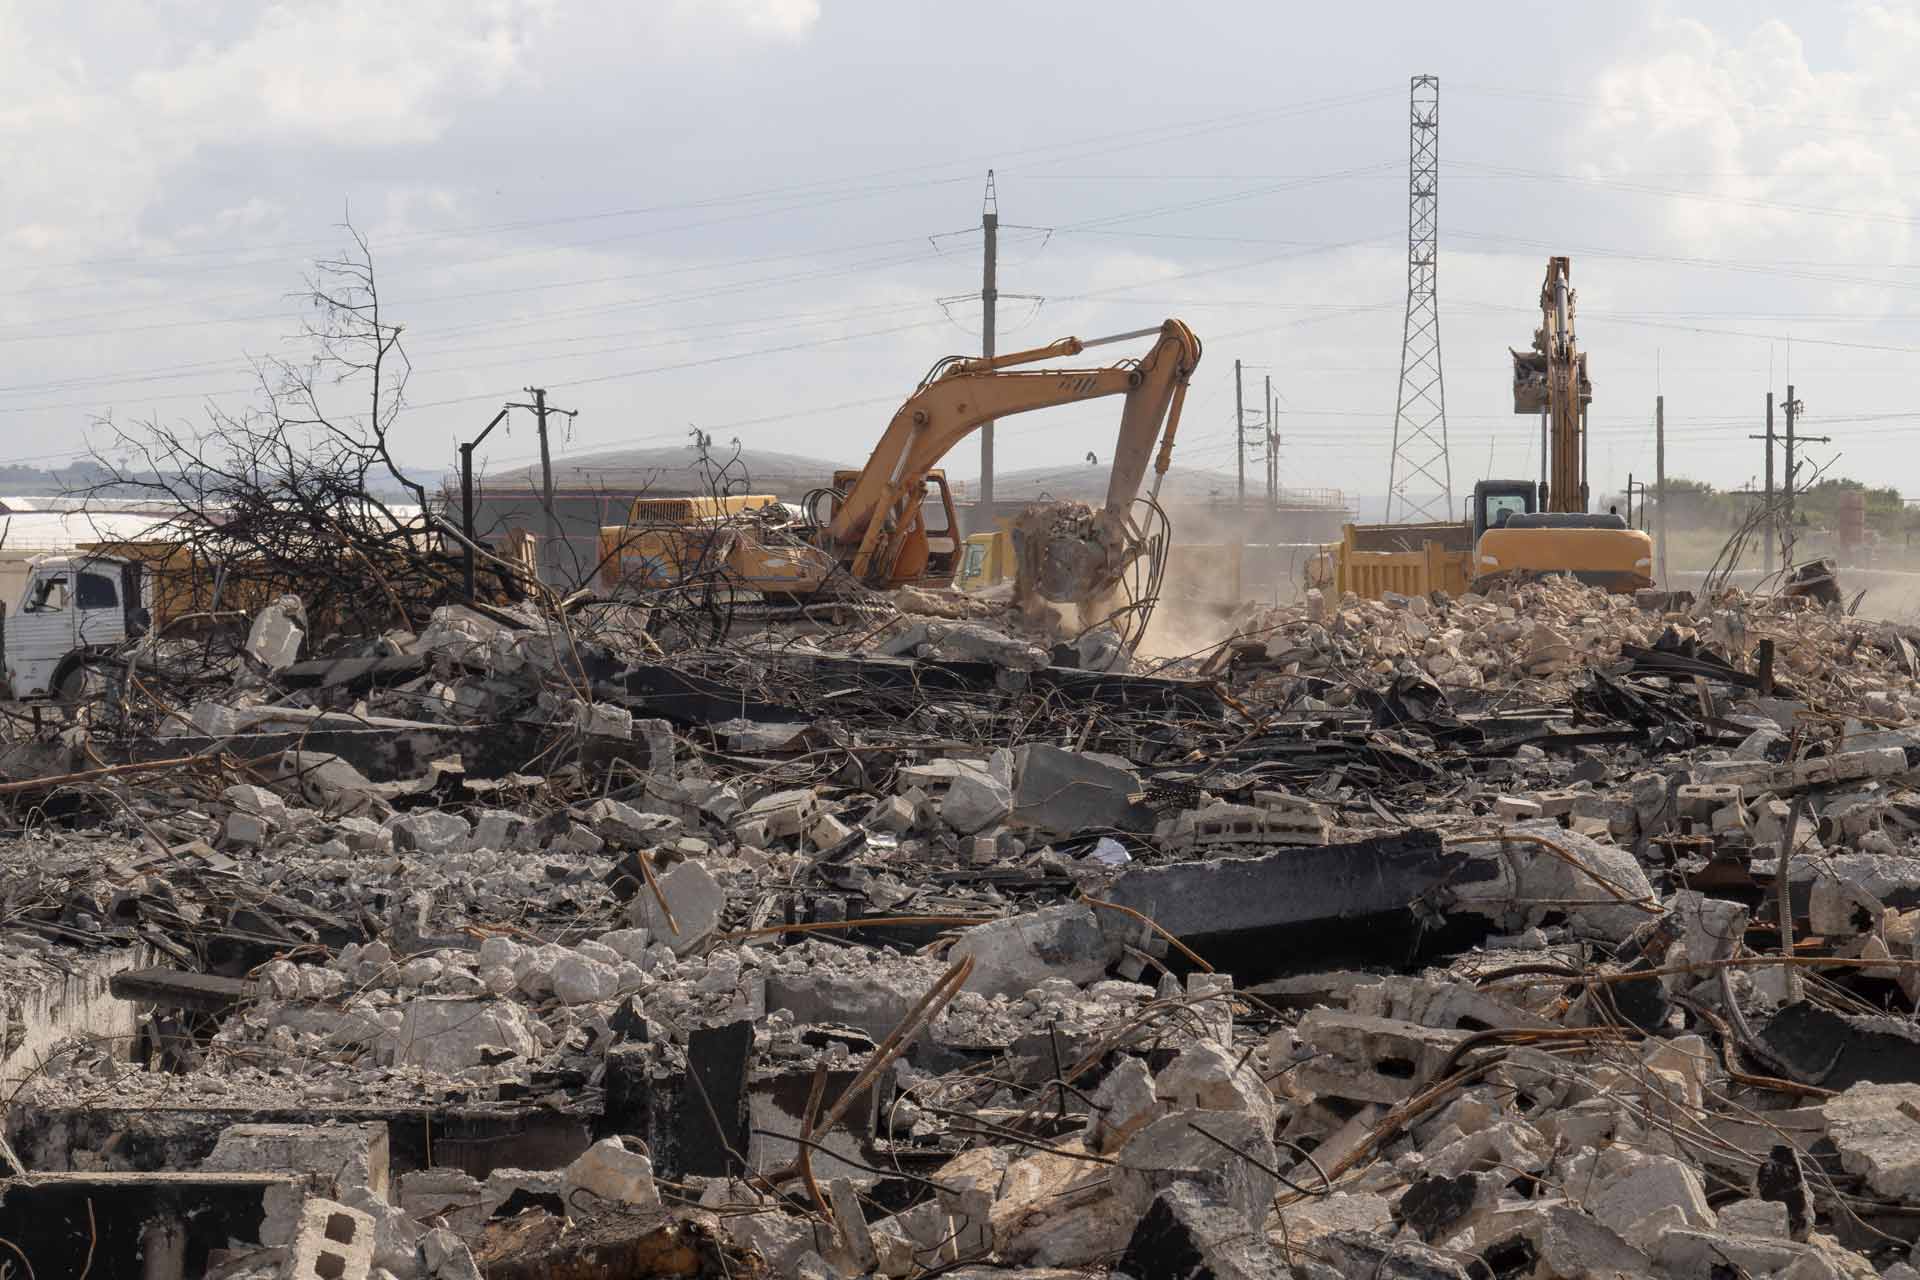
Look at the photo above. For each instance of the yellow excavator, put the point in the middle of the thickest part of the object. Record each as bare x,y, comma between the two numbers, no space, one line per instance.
881,527
1516,529
1519,532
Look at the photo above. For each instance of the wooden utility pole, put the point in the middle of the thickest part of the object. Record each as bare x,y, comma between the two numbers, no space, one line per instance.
1768,528
1790,480
1273,498
1240,433
989,299
1660,486
541,411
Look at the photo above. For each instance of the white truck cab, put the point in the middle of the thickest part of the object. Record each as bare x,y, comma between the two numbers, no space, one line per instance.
73,607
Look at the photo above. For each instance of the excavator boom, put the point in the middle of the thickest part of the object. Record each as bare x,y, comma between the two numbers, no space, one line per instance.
870,524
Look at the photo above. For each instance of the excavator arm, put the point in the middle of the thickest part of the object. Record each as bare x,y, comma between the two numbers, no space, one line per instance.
866,530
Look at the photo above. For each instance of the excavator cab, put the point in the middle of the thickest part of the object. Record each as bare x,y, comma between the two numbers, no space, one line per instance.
929,542
1495,501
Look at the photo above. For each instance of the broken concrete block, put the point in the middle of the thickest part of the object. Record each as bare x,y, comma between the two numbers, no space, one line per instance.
1515,808
696,900
1555,804
602,720
1608,889
625,827
445,1256
274,638
448,1035
1618,813
1873,1126
1686,1252
1508,1144
431,833
783,814
334,1241
1012,955
1123,1103
1701,800
1187,1146
610,1172
1207,1076
330,783
827,831
969,1184
854,1240
258,800
1359,1253
1288,820
1370,1059
334,1157
246,830
578,980
892,814
1764,1218
1454,1005
1065,792
1187,1233
1563,1240
1628,1186
500,830
971,642
396,1236
974,800
1057,1209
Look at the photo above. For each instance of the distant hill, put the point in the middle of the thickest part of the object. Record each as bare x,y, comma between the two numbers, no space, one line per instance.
675,471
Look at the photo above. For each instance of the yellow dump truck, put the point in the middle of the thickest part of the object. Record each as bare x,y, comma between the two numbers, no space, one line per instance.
1411,559
1509,537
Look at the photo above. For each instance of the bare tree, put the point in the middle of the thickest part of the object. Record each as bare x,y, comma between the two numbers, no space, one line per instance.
285,495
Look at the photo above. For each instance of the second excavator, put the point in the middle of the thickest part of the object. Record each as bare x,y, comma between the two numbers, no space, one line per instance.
892,522
1520,532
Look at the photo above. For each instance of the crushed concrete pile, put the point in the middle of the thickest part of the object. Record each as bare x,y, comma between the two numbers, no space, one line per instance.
1542,934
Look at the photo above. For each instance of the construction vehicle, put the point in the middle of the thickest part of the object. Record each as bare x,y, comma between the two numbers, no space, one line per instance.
1515,529
77,610
892,522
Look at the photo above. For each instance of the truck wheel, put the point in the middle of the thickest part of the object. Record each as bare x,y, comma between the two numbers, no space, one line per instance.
77,687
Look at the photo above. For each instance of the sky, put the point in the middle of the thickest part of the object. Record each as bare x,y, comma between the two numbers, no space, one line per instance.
760,217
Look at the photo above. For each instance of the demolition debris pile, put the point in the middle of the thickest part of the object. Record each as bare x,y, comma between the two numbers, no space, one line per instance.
1546,933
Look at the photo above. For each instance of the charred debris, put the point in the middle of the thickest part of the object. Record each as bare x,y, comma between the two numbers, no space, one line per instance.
1542,933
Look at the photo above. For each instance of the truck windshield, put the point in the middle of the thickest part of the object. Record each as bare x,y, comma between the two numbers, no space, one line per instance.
49,595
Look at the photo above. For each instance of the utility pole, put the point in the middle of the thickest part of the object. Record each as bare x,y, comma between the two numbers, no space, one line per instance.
1766,510
989,299
1268,436
1794,409
466,501
1240,433
1660,484
1273,457
540,414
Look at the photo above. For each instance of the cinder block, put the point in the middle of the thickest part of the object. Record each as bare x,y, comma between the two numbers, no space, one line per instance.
334,1242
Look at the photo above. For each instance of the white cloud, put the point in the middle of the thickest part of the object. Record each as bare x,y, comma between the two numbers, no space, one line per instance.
784,19
359,73
1752,126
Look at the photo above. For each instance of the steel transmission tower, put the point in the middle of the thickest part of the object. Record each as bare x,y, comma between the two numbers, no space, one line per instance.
1420,461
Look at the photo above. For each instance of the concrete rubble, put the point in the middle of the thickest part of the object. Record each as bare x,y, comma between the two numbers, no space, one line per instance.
1546,933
